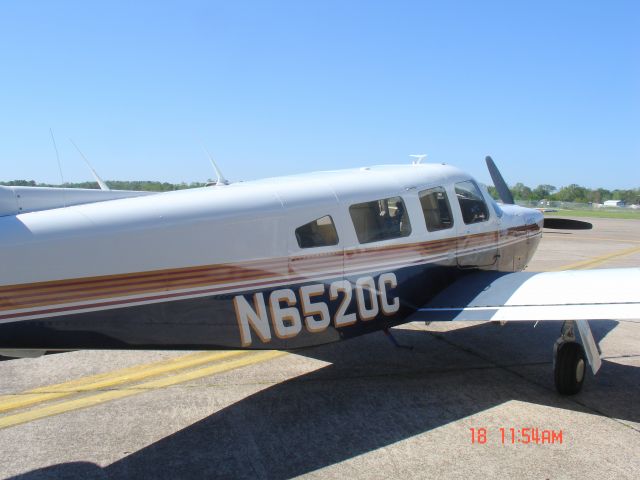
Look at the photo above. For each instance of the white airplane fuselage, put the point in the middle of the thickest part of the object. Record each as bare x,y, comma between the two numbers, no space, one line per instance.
254,264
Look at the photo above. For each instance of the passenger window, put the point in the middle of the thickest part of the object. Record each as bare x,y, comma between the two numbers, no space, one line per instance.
436,209
472,204
319,233
380,220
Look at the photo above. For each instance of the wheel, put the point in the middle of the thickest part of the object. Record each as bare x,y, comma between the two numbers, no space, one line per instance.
570,368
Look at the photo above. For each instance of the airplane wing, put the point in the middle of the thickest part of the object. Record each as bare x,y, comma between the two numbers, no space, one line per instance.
603,294
16,200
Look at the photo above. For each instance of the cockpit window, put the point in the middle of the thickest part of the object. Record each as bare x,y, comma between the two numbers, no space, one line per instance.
319,233
472,204
436,209
380,220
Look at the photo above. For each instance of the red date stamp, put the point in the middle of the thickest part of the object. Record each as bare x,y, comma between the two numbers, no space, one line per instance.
516,436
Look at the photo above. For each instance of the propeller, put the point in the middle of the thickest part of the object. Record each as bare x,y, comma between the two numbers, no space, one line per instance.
507,198
501,186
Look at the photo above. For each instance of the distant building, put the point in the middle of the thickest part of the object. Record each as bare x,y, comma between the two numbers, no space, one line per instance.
614,203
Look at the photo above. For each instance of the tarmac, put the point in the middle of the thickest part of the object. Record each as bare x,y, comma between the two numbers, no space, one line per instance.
466,401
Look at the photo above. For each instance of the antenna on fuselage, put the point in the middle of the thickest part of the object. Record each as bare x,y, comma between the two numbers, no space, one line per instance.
101,183
55,147
418,158
220,180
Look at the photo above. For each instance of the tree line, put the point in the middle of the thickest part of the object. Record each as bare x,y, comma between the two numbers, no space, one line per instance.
139,185
570,193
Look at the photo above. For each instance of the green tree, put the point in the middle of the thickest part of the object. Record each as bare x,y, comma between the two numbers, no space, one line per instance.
599,195
542,192
19,183
493,192
521,192
572,193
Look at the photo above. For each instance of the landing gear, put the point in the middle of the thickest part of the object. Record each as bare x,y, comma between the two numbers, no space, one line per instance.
572,352
569,368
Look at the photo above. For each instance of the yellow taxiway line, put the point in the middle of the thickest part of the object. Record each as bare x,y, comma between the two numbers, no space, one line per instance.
246,358
110,379
601,239
599,260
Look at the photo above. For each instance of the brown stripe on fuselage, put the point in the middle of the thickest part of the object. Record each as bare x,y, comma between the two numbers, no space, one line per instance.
149,286
130,276
23,296
212,274
120,301
132,283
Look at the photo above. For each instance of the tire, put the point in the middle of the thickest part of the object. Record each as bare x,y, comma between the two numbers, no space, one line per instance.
570,368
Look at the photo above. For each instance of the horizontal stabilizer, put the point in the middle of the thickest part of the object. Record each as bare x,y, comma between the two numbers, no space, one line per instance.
17,200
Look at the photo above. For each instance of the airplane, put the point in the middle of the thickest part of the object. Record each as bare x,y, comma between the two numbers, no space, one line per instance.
15,200
293,262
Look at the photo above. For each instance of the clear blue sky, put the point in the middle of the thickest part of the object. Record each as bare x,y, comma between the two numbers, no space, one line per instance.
550,89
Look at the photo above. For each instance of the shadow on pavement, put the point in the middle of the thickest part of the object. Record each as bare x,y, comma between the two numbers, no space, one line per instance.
371,396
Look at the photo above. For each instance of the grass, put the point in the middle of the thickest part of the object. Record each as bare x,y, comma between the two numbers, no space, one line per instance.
600,213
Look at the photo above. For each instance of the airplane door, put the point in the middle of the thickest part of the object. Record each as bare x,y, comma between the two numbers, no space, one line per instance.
477,228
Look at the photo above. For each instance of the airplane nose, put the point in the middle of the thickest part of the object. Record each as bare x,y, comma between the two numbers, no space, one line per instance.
539,218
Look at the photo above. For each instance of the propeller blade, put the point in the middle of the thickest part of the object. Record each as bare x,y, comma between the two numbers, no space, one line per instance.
566,224
501,186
